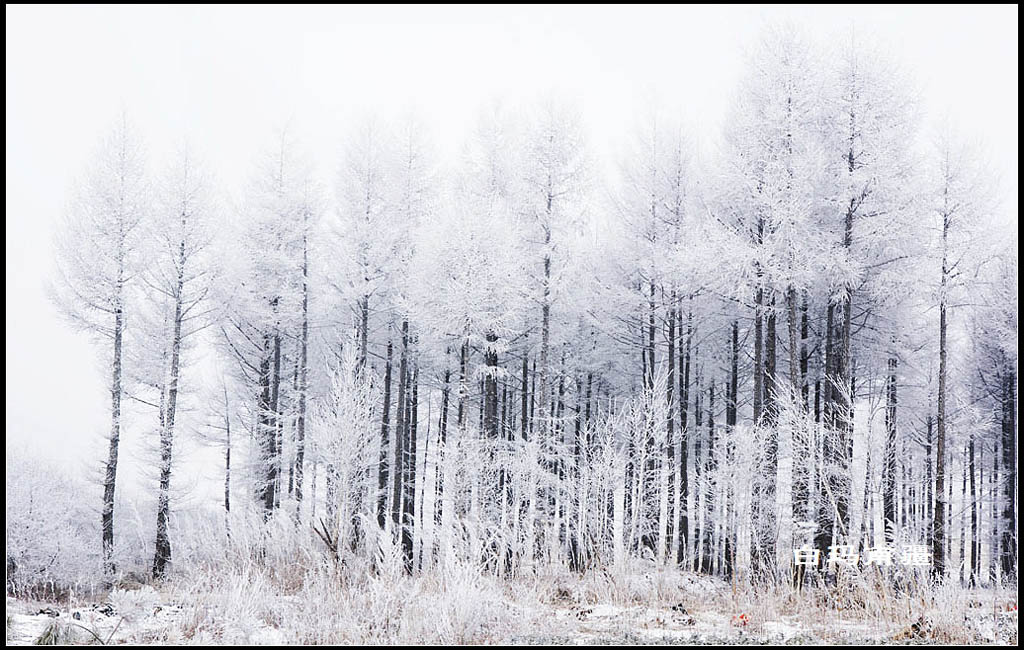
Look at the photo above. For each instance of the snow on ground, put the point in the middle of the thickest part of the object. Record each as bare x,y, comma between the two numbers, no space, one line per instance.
679,609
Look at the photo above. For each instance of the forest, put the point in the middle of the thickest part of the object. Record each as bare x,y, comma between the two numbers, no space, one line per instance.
783,364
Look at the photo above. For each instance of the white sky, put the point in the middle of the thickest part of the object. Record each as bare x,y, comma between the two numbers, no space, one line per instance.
225,77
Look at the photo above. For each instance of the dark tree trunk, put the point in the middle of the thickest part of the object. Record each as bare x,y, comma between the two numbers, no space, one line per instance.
409,467
975,566
364,327
442,436
227,467
670,435
1008,475
110,475
796,400
771,384
939,519
524,416
275,413
804,354
826,495
385,444
710,466
889,456
491,388
268,439
698,460
684,484
398,464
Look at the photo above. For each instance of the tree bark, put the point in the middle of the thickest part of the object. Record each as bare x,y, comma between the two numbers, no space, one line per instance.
110,475
300,425
385,445
398,465
1008,474
889,456
162,555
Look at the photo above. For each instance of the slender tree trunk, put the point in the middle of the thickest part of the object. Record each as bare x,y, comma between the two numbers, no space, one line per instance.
804,354
442,436
684,483
300,425
409,465
364,327
889,457
267,433
827,482
1008,475
975,565
227,465
110,475
385,445
524,416
398,465
491,388
799,444
162,555
771,385
670,436
939,519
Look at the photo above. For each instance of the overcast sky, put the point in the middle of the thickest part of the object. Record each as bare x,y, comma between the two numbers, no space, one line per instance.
225,77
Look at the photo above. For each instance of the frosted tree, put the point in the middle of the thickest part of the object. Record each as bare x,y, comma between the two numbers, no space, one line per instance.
177,282
267,303
962,201
774,157
870,134
98,260
342,427
466,301
994,338
553,173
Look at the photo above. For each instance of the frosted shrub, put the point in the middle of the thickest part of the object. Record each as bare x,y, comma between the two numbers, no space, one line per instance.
51,545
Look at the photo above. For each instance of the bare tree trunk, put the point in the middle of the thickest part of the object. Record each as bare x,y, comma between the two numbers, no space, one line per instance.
385,445
975,565
827,482
684,483
799,446
670,436
442,436
804,354
300,444
711,482
491,388
163,543
889,455
1008,475
524,417
939,519
275,409
227,464
398,465
771,385
698,463
267,434
364,328
110,475
409,505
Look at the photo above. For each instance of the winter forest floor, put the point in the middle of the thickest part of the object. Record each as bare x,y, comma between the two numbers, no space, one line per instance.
646,605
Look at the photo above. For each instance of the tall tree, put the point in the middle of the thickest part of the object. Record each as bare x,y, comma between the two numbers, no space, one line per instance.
98,262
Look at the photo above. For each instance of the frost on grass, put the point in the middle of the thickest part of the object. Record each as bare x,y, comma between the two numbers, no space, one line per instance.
315,603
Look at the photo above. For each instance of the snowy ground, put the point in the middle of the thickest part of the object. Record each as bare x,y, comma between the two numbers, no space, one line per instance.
678,609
